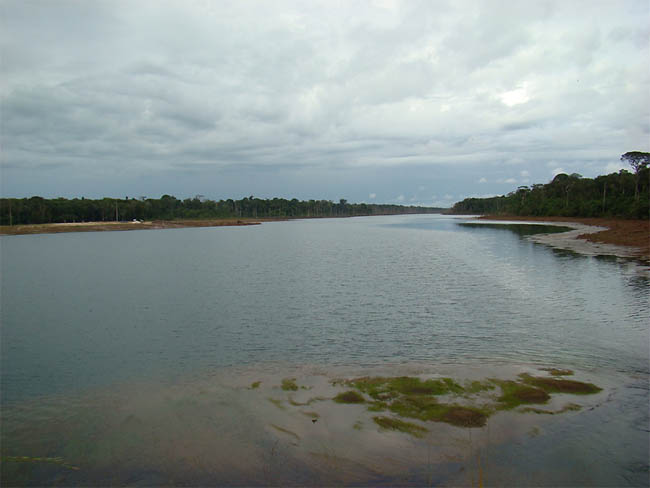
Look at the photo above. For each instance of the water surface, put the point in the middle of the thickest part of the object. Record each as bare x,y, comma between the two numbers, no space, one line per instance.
90,316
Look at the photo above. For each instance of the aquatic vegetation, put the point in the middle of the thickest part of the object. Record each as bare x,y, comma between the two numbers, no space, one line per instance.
349,396
515,394
289,384
412,397
557,372
377,406
255,385
557,385
308,402
570,407
391,423
381,388
461,416
428,409
277,403
357,425
285,431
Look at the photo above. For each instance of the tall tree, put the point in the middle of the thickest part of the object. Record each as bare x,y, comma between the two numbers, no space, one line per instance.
638,160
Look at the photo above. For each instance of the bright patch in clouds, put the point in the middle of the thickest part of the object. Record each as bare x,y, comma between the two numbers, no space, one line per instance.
318,99
515,97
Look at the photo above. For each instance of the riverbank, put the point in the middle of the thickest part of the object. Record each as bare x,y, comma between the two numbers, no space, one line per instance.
121,226
631,234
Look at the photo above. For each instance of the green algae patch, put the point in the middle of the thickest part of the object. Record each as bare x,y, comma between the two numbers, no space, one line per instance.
255,385
561,385
350,396
381,388
514,394
557,372
277,403
428,409
469,405
417,407
390,423
461,416
289,384
377,406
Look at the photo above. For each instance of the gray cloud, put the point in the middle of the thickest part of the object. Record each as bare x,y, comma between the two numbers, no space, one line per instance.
315,100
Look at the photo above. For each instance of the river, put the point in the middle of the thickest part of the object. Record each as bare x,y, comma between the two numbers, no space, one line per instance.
127,357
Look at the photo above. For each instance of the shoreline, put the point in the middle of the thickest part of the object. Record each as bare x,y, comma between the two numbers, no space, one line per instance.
624,238
631,237
57,228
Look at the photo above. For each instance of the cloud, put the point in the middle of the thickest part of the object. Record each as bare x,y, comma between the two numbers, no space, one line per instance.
367,98
614,168
372,196
515,97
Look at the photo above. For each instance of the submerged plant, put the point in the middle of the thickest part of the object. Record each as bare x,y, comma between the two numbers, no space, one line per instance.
381,388
561,385
289,384
350,396
415,398
391,423
571,407
515,394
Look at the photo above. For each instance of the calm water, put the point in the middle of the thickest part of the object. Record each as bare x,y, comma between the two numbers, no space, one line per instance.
92,312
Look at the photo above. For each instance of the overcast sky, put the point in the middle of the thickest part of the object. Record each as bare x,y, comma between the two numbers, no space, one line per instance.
414,102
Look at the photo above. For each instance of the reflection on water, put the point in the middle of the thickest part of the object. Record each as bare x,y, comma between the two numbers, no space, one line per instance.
136,365
519,229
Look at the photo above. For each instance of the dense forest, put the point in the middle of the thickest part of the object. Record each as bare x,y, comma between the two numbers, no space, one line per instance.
37,210
623,195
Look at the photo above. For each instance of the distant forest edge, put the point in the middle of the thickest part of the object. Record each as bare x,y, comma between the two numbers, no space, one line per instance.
38,210
623,195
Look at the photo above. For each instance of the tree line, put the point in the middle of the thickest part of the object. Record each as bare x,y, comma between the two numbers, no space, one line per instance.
38,210
622,195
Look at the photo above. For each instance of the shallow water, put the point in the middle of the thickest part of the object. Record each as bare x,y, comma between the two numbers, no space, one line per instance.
130,354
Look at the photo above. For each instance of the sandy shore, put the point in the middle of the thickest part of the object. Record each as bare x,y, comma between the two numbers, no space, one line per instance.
626,238
114,226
